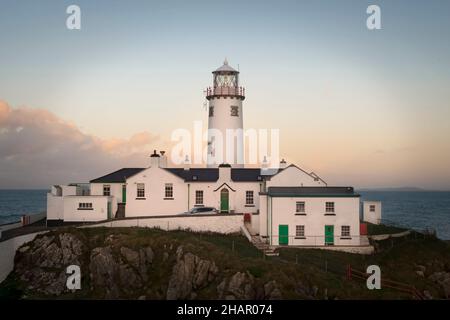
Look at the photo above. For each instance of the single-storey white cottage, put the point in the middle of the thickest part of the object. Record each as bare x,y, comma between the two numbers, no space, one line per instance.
284,206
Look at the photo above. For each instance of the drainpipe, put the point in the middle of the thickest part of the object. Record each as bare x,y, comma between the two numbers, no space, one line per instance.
188,196
270,214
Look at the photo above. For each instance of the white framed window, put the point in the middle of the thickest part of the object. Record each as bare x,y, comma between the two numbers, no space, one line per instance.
211,111
372,208
234,111
140,190
300,231
300,207
345,231
106,190
168,191
199,197
329,207
249,198
85,206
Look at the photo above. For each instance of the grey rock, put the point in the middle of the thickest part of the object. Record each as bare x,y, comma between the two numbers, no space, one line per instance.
189,273
103,269
272,291
420,273
443,279
131,256
427,295
421,268
71,247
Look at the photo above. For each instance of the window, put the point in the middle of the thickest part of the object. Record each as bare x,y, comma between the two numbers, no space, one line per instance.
345,231
299,231
106,190
140,190
85,206
169,191
199,197
300,207
372,208
234,111
211,111
249,197
329,207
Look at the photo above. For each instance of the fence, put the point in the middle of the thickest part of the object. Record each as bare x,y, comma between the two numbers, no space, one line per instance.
353,274
337,267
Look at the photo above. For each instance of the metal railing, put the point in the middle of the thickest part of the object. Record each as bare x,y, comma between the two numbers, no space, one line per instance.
225,91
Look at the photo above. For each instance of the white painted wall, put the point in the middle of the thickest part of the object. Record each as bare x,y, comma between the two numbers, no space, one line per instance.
55,207
372,217
99,210
221,121
213,223
263,232
347,213
293,176
8,250
237,202
115,189
69,190
154,203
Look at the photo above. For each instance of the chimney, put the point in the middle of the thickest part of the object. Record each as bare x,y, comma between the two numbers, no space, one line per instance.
187,163
283,164
163,160
265,166
225,172
154,159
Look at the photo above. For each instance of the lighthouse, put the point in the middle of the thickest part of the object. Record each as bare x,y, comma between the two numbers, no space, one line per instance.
225,118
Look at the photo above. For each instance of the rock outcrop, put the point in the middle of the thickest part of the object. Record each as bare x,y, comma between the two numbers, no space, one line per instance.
189,274
113,269
42,263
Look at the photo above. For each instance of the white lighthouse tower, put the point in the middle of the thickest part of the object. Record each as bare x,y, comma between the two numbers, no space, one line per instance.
225,121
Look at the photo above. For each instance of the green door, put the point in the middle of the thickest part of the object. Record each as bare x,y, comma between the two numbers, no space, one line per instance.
329,235
224,200
124,193
283,234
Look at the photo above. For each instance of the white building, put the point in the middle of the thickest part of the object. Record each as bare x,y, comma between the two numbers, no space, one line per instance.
288,206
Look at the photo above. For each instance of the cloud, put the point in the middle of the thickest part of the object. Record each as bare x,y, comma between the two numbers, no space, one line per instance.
38,149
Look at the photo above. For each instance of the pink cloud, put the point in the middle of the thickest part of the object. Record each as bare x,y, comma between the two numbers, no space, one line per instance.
38,149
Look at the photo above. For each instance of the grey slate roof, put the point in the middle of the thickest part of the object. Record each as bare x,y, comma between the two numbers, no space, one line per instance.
311,192
191,175
196,174
118,176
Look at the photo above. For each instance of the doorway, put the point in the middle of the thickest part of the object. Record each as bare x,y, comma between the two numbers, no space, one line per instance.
224,200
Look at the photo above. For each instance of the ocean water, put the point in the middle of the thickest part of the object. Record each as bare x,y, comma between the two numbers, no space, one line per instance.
416,209
15,203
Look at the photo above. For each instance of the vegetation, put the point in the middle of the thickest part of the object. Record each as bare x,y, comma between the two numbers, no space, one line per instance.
322,272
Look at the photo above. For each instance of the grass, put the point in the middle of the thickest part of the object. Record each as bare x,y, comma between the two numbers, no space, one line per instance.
376,229
398,259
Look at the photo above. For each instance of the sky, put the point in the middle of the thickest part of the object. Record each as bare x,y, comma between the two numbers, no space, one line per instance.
360,107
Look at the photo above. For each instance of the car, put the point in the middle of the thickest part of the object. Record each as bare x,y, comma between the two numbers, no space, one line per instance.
202,210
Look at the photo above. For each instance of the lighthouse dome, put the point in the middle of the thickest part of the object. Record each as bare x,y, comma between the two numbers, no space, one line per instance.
226,68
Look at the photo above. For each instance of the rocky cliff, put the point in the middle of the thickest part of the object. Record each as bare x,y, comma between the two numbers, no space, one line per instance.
138,263
115,266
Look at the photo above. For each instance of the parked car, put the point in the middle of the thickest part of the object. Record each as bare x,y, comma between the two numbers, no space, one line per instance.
202,210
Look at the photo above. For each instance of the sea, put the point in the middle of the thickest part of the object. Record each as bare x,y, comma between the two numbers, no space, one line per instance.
418,210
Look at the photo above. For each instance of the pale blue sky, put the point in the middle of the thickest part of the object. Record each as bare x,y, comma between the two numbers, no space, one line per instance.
311,68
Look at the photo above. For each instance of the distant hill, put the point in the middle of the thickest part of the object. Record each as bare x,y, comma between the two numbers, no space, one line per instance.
404,189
